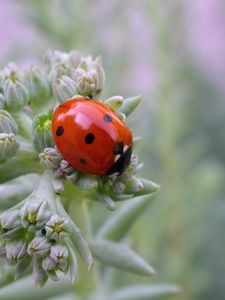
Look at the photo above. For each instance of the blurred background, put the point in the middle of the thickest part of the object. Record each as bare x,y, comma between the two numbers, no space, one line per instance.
173,53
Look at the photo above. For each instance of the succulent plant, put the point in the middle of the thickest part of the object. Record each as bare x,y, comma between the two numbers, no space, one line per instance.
45,227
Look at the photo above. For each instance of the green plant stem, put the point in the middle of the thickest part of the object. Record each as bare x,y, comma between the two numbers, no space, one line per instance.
25,124
17,167
88,282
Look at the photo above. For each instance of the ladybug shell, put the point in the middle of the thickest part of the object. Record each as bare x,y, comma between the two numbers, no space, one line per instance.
91,137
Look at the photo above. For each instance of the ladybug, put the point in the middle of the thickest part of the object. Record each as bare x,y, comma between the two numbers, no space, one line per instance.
91,137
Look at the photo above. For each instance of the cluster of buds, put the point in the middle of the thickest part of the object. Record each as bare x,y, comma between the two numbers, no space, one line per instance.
32,231
72,74
107,189
8,130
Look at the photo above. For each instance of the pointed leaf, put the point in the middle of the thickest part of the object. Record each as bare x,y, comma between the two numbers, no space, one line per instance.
24,288
77,237
117,226
145,292
120,257
129,105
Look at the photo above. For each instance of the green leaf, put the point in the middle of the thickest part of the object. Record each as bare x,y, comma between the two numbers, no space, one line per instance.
148,187
129,105
120,257
24,289
145,292
117,226
76,236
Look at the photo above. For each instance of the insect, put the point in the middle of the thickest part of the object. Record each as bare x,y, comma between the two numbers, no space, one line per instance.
91,137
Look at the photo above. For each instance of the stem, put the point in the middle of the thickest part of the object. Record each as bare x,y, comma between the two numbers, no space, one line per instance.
25,124
88,282
26,151
16,167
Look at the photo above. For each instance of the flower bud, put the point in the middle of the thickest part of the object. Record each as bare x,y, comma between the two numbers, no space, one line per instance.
15,249
48,264
89,78
134,185
10,219
37,84
66,167
53,57
8,145
64,88
59,253
7,123
75,59
56,227
50,158
12,72
42,132
34,212
16,94
39,246
114,102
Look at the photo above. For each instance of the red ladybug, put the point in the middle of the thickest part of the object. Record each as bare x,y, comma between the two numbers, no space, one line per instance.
91,137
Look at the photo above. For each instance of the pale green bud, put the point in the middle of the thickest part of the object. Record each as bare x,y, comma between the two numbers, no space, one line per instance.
10,223
89,78
53,57
48,264
134,185
16,249
114,102
59,253
12,72
35,212
50,158
16,94
8,145
37,84
75,59
42,132
7,123
64,88
66,167
57,227
39,246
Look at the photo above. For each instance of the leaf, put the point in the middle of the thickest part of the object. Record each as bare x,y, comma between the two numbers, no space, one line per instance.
145,292
129,105
117,226
148,187
120,257
24,289
77,237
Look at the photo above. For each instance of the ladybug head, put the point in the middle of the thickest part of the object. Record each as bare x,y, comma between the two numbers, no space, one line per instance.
122,162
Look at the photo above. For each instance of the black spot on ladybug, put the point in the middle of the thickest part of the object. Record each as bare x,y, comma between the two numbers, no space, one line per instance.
107,118
83,161
59,131
118,148
89,138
